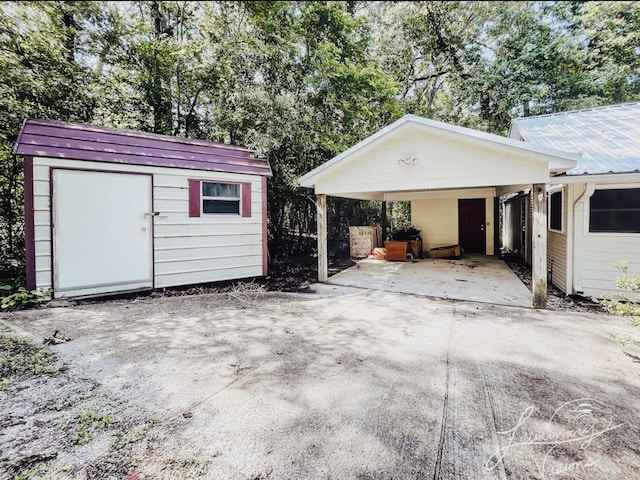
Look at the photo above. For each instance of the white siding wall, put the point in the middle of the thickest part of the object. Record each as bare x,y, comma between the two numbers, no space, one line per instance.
438,220
557,250
443,162
600,251
186,250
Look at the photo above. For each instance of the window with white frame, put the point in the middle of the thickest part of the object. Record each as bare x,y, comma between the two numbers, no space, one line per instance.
220,198
615,210
555,210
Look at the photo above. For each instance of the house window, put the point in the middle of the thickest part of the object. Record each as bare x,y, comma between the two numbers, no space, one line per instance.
555,211
221,198
209,197
615,210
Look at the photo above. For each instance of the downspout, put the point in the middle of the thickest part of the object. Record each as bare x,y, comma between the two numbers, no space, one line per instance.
577,239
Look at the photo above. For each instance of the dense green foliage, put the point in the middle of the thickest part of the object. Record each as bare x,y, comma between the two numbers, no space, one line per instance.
14,296
300,82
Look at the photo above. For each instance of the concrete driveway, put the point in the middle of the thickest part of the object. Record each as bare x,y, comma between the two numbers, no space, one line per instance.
366,385
477,278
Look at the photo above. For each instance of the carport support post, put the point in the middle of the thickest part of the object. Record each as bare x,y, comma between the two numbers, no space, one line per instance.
539,245
321,207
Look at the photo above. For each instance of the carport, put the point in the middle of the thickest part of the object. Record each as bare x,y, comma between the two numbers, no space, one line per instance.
475,278
453,177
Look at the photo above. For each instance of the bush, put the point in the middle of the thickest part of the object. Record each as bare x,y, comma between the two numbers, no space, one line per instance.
409,233
14,296
620,303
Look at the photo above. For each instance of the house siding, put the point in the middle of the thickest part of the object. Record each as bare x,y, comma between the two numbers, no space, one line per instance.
438,221
186,250
557,249
528,228
441,162
600,252
437,218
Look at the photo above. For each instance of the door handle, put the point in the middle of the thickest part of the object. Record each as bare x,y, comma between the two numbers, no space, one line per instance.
482,228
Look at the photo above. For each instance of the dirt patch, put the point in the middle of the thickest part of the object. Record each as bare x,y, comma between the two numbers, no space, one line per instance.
294,274
297,274
56,423
556,299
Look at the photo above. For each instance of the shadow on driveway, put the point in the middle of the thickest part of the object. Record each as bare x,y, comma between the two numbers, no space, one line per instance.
370,385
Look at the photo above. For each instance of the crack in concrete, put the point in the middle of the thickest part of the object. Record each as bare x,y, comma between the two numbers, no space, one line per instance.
445,405
500,468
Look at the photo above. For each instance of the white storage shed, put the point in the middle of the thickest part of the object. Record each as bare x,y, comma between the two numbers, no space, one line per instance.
110,210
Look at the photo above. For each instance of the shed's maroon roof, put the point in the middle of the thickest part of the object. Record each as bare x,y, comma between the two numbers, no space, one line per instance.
51,138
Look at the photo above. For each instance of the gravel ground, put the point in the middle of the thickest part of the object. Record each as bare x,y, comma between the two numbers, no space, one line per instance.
556,299
56,422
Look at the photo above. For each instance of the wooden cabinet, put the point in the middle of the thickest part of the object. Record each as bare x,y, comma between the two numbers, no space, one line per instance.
396,250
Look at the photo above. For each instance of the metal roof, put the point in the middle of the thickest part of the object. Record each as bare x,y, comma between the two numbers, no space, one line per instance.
51,138
607,137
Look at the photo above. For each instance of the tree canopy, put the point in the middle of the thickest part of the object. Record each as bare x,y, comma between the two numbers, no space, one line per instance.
300,82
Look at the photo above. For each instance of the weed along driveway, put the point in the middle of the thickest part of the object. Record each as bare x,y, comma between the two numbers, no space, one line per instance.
364,385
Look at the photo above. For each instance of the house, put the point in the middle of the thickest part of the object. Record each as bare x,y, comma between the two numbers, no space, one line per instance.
594,208
453,177
110,210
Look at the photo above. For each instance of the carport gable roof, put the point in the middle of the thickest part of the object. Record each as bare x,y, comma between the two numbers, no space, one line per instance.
56,139
557,161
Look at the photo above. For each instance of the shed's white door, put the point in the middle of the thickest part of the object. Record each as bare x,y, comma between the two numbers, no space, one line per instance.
101,232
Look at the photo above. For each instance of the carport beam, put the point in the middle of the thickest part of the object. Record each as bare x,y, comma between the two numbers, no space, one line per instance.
539,245
321,207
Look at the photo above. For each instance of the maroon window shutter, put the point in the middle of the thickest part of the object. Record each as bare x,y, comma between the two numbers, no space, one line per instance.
246,199
194,198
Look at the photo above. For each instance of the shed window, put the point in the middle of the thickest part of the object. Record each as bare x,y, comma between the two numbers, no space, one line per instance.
209,197
221,198
615,210
555,211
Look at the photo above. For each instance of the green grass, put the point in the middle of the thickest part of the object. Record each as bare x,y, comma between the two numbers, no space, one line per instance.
20,358
30,473
88,423
624,340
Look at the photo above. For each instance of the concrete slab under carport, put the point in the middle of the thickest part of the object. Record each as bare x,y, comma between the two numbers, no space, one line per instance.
477,278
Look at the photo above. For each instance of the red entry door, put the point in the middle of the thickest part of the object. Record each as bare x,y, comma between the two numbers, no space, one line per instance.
471,225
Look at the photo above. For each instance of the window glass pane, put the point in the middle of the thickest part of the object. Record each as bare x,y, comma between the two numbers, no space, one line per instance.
221,206
616,210
555,221
220,189
616,198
